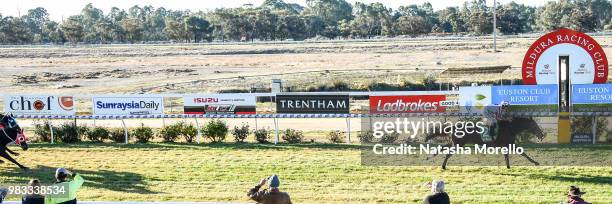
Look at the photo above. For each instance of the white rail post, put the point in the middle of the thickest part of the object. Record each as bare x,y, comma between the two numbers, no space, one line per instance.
255,123
276,130
125,131
199,131
348,129
594,129
51,130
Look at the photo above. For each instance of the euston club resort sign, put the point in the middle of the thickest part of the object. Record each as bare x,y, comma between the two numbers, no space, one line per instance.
587,61
298,103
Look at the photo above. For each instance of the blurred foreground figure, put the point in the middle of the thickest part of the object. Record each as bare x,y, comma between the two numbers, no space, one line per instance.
35,197
3,192
574,196
61,175
269,196
438,195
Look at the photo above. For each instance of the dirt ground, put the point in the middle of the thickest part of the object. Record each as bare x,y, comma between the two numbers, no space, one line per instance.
197,68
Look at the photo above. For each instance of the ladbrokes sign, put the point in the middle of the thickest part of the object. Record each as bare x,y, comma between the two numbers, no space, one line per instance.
406,104
312,103
39,105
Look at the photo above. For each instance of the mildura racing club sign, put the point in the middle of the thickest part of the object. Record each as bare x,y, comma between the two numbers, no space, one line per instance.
288,103
128,105
39,105
220,104
407,104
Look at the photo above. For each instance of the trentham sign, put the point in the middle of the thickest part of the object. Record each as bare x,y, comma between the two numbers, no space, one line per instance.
128,105
297,103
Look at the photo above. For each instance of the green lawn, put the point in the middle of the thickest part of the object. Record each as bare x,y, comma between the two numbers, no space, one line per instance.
311,173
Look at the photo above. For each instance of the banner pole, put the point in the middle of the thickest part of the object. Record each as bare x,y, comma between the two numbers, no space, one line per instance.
51,130
594,128
199,131
348,129
276,130
125,131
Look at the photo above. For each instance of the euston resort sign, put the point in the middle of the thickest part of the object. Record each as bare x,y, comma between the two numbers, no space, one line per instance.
587,60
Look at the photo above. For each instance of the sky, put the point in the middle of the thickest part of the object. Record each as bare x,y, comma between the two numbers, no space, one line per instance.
59,9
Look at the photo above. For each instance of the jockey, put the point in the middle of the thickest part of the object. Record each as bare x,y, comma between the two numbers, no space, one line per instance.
492,115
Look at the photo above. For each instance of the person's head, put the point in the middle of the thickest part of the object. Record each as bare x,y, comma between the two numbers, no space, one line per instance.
61,174
34,182
274,181
437,186
505,105
574,191
3,192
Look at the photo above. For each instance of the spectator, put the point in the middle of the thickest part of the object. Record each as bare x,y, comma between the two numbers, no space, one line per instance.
33,198
574,196
271,196
438,195
61,175
3,192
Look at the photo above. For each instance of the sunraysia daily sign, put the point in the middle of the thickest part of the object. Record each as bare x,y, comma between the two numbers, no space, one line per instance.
289,103
39,105
587,60
220,104
128,105
407,104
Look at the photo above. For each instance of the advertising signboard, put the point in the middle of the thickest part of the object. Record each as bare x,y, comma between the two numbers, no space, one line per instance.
592,97
474,99
526,94
219,104
291,103
39,105
588,63
128,105
407,104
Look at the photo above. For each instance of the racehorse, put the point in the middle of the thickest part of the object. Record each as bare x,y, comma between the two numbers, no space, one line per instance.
11,132
508,130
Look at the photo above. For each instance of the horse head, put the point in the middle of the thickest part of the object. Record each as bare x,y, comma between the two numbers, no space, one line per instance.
12,132
530,126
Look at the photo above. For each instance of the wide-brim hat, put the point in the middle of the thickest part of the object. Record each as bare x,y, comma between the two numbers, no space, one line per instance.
575,191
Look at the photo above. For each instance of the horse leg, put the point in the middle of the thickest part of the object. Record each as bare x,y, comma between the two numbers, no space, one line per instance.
507,160
529,158
8,157
11,151
445,161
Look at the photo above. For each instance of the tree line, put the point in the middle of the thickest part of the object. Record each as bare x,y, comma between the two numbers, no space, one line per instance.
277,20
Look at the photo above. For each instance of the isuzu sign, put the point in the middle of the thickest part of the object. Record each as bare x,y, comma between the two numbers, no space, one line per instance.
128,105
220,104
587,61
312,103
39,105
407,104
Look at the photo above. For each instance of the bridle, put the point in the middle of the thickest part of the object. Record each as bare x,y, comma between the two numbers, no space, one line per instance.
19,138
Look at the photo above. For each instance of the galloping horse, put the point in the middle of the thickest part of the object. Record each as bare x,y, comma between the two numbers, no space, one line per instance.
11,132
508,130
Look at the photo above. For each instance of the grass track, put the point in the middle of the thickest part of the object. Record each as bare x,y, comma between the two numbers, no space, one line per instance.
311,173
